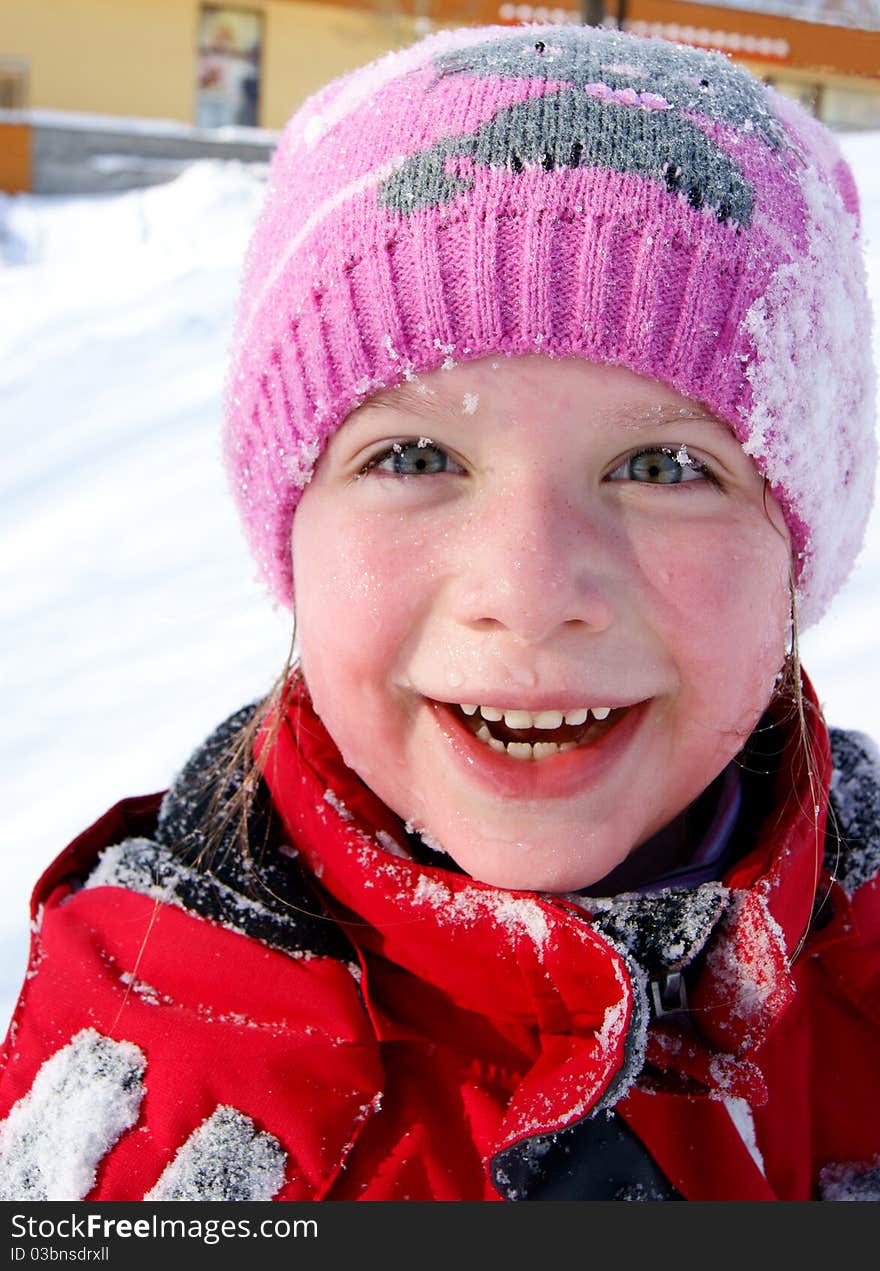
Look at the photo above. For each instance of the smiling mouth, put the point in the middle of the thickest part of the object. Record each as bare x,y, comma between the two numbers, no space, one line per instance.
531,743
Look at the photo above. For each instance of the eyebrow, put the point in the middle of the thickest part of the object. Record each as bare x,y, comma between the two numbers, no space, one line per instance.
403,396
432,405
634,419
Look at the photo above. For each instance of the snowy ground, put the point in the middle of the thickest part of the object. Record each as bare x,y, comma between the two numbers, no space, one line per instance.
133,621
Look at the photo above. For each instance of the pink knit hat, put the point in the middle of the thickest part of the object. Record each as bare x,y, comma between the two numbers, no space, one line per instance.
577,192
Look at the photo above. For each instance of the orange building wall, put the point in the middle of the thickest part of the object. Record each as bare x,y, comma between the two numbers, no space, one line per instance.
812,45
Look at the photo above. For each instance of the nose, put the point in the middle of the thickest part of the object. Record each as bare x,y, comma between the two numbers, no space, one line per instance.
536,561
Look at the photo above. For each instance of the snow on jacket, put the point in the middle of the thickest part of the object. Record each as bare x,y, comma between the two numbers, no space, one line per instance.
348,1016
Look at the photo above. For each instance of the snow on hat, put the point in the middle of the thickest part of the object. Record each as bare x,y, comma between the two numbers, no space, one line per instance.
573,191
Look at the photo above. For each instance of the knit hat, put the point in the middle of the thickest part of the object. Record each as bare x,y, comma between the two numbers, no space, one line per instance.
573,191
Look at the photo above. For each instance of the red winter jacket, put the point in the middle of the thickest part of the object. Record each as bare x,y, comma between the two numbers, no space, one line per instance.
344,1018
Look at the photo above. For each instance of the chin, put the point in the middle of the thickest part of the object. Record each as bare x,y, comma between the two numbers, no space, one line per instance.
523,867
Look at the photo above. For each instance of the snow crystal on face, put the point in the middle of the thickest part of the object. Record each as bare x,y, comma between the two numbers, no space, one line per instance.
226,1158
427,838
470,402
434,844
683,457
417,831
82,1100
851,1180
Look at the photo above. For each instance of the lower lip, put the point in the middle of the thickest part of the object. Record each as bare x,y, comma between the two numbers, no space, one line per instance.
564,773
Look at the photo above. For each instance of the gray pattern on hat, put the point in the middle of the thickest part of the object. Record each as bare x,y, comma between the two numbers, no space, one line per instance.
573,129
691,80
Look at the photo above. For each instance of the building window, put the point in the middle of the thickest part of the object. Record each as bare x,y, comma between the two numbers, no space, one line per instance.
808,94
850,108
228,71
13,83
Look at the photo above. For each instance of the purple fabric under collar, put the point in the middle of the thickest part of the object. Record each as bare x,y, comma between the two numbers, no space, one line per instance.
709,859
705,863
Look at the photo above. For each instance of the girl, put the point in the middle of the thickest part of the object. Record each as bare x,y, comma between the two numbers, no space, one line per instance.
538,874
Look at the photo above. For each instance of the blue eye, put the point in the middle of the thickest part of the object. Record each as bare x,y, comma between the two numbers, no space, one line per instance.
661,465
412,458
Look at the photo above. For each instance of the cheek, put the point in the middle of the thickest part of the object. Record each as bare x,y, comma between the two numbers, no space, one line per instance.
721,604
350,580
361,585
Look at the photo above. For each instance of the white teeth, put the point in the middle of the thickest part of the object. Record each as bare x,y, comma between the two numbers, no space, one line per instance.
518,719
567,745
515,718
547,719
577,717
484,735
522,749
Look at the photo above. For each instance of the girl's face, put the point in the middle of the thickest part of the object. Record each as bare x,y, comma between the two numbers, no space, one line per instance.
538,536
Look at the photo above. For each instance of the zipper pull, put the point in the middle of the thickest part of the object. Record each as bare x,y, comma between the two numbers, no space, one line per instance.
669,998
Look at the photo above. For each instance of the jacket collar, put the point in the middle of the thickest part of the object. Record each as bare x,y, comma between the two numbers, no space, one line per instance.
577,977
518,958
